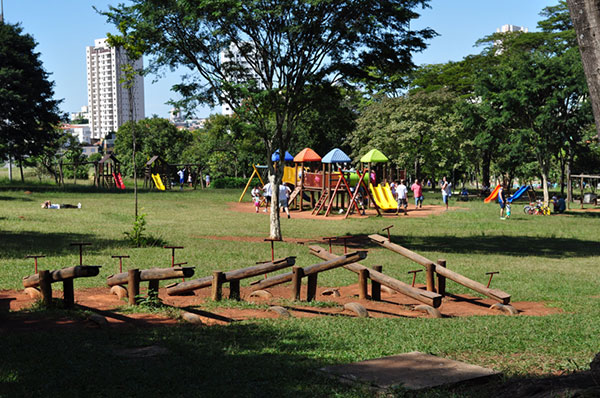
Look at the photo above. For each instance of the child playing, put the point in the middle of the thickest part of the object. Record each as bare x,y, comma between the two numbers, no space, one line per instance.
402,193
256,196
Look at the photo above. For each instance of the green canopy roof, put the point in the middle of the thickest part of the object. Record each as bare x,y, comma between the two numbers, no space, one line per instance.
374,156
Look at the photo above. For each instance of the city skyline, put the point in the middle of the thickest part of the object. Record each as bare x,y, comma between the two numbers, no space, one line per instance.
64,28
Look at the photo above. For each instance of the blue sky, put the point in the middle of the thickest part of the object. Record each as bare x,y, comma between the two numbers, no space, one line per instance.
63,28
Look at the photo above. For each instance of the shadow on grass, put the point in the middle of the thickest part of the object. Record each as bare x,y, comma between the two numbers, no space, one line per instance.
20,244
240,359
10,198
583,213
506,245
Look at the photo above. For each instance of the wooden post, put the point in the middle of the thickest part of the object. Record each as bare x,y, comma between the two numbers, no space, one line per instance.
363,278
217,286
46,287
133,285
311,287
234,289
68,294
152,285
581,186
297,274
430,277
441,280
376,286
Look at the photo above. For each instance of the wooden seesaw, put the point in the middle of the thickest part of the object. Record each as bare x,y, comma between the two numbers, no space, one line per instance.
218,278
426,297
153,276
444,273
44,280
311,272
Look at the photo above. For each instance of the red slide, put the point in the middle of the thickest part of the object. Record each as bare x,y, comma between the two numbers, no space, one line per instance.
118,181
493,195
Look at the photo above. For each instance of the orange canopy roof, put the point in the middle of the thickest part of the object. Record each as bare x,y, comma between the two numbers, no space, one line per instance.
307,155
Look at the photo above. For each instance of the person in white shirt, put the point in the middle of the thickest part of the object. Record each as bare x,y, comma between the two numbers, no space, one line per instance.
268,192
284,194
402,193
446,191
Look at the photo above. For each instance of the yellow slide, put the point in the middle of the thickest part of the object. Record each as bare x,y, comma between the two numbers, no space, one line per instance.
158,182
289,175
389,197
380,199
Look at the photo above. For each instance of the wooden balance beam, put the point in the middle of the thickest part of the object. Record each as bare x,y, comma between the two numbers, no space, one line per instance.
311,272
233,277
494,294
44,280
153,276
430,298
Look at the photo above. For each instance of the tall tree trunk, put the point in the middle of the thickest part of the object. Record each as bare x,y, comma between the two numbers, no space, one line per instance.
417,168
585,15
485,169
21,170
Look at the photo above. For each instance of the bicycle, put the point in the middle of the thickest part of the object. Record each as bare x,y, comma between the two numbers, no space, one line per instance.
537,208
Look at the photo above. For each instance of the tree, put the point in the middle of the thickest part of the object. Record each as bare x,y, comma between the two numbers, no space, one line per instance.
267,59
537,89
154,136
28,114
585,15
418,131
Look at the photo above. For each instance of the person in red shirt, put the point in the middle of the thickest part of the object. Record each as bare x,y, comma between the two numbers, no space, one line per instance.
418,193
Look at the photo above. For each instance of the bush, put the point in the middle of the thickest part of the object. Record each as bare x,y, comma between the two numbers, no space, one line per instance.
232,182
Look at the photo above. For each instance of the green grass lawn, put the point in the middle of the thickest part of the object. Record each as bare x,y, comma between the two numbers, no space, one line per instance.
553,259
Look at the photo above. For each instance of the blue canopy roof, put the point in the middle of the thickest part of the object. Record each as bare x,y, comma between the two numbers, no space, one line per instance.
336,155
275,156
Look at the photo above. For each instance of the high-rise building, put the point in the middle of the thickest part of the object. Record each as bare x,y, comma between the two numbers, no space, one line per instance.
109,103
233,55
511,28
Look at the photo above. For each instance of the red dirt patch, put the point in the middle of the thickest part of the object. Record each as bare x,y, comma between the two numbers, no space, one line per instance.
392,306
425,211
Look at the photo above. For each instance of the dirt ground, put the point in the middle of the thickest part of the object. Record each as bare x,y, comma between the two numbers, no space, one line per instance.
425,211
393,305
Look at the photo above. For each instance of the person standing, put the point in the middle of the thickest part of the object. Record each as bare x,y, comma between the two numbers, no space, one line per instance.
502,200
402,193
181,174
284,195
446,191
417,189
256,194
207,180
267,193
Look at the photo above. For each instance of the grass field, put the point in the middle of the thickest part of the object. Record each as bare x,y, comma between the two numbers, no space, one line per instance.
552,259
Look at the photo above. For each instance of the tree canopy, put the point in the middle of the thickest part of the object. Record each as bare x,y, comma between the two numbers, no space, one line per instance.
28,113
270,59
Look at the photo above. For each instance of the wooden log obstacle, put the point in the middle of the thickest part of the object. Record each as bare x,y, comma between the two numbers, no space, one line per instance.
153,276
442,272
378,279
45,278
218,278
311,272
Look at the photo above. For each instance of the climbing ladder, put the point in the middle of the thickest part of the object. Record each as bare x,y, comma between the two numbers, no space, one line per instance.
321,202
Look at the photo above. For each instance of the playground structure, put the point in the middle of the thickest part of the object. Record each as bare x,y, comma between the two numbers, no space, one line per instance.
429,299
330,186
158,173
109,172
75,165
589,198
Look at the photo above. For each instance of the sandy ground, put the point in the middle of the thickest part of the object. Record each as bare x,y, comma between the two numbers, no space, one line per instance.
425,211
